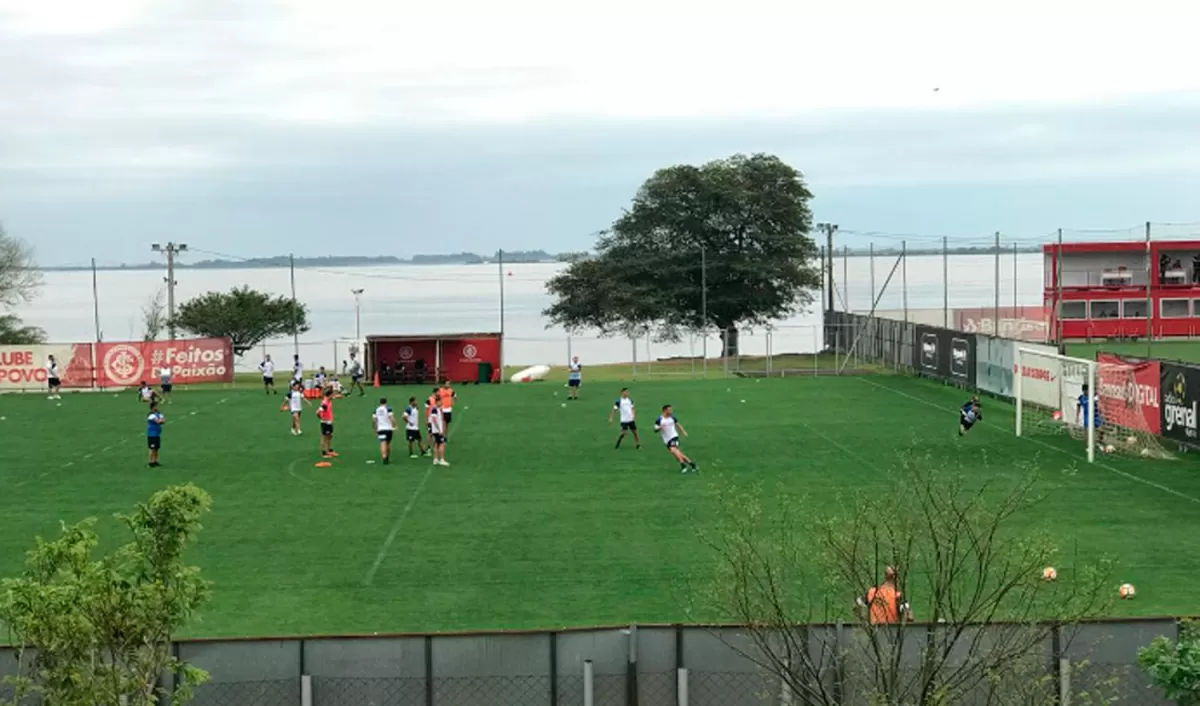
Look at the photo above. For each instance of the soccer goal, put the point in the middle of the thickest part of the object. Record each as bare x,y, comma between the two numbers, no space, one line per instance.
1050,400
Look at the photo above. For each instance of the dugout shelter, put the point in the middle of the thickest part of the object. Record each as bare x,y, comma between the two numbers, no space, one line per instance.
425,359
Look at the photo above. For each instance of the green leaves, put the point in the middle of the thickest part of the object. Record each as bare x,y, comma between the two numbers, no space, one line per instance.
93,630
720,245
244,315
1175,667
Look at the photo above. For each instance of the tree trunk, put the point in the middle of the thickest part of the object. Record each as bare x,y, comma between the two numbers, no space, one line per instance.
729,341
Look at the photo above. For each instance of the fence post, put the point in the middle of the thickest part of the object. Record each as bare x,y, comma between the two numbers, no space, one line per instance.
839,667
428,670
633,341
589,693
681,686
553,669
305,690
631,679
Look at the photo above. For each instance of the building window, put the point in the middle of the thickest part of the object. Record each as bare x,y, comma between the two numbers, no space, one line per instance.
1174,308
1133,308
1106,310
1073,310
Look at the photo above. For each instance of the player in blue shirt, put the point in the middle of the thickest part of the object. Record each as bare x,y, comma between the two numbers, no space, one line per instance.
968,415
1081,410
154,424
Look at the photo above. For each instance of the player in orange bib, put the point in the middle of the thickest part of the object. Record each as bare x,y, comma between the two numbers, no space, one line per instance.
446,396
325,415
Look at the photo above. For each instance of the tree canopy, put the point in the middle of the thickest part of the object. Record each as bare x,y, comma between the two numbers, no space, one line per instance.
20,281
91,629
246,316
722,245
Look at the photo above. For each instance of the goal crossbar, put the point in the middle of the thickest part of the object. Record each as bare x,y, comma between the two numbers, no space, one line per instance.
1049,373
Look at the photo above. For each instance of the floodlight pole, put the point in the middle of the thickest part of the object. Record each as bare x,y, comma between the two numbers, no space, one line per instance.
357,313
171,249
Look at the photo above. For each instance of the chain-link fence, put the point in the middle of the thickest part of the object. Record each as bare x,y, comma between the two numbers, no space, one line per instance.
646,666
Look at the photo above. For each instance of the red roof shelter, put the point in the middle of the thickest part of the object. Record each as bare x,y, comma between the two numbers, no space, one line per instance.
457,357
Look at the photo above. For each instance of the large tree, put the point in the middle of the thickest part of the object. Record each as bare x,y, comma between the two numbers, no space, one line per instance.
723,245
20,281
94,628
246,316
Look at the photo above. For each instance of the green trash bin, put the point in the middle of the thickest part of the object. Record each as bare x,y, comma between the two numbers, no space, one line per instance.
485,373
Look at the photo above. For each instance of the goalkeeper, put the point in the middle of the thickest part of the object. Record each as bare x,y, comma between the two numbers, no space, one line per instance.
968,415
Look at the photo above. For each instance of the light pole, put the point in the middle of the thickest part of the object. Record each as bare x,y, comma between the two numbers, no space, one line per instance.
357,314
171,249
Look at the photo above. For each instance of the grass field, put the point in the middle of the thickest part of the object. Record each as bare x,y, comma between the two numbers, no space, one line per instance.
539,522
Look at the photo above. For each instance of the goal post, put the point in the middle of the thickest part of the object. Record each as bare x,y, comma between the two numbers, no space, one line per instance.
1048,388
1115,416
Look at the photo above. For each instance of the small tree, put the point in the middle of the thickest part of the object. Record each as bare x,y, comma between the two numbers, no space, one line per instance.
246,316
14,332
1175,667
20,281
97,630
154,316
962,560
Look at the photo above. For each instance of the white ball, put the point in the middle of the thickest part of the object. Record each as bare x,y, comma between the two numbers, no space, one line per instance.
3,419
1145,452
743,401
1109,449
564,404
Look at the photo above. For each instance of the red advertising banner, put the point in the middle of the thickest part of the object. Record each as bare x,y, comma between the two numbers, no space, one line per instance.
28,367
1128,392
461,357
1024,323
191,361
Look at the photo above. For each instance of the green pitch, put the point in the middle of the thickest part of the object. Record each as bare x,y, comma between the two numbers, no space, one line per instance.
538,522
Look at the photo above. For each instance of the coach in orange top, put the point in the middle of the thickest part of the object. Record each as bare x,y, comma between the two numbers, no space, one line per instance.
446,396
885,602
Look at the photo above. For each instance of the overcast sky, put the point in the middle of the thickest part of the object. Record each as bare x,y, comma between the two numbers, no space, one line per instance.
392,127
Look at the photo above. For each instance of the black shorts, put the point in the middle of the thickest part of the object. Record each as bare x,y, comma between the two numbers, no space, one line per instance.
673,443
412,434
574,383
268,380
355,378
439,438
154,442
166,388
446,417
628,426
326,428
965,423
53,382
385,435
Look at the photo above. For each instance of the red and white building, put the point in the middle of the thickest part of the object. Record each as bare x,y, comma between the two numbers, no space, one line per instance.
1123,290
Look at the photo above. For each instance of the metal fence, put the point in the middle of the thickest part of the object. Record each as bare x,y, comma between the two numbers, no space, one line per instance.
636,666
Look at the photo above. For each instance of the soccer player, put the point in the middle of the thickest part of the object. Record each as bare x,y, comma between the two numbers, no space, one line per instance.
968,414
297,369
1081,412
53,382
385,425
320,378
437,434
670,429
325,414
164,379
154,424
575,378
412,429
356,376
147,394
294,403
624,407
446,397
267,367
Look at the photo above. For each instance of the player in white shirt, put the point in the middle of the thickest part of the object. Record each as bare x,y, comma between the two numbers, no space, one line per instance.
624,407
670,429
437,433
268,372
356,376
53,382
297,369
574,377
412,429
320,378
147,394
384,424
164,378
295,404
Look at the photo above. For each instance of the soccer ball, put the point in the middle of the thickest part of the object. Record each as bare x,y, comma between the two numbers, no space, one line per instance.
1109,449
1126,591
1131,440
1049,574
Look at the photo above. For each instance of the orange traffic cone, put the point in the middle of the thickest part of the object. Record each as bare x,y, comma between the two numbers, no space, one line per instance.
376,378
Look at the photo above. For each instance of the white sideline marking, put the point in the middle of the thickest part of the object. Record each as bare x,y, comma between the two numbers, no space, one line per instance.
1039,442
412,501
845,449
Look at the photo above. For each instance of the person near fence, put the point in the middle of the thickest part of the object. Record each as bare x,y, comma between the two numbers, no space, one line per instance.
52,380
885,603
356,376
267,368
574,378
970,413
164,379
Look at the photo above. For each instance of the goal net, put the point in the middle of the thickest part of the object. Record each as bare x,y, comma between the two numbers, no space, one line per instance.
1050,391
